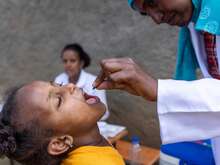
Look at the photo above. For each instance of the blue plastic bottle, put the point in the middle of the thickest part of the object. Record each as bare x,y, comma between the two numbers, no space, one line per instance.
135,151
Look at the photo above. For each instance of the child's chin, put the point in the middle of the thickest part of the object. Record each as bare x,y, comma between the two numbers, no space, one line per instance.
100,107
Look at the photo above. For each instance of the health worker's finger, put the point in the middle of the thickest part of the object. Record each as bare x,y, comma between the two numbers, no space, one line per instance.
118,60
107,67
108,85
120,77
110,66
100,78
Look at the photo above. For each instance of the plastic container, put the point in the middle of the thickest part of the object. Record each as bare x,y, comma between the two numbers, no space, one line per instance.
135,151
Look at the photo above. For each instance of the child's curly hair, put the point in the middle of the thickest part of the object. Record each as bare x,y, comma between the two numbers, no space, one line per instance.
25,143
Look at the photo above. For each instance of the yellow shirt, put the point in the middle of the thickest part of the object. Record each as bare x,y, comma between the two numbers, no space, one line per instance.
93,155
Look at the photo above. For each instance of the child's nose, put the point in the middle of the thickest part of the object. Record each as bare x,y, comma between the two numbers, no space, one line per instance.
70,87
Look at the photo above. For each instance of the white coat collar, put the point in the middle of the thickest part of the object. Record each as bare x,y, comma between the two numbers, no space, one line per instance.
82,79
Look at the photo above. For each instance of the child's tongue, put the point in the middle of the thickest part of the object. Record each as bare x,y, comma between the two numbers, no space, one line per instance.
91,101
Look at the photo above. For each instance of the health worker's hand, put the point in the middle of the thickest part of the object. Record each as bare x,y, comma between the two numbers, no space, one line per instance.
125,74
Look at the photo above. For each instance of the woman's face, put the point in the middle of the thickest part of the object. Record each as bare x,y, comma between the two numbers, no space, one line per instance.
65,109
72,63
172,12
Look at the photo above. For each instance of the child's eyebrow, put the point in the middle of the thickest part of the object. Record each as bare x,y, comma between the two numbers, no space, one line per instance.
49,95
50,92
52,83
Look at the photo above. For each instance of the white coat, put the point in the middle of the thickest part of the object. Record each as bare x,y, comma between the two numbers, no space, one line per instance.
191,110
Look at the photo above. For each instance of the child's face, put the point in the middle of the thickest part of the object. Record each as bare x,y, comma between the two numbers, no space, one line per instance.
64,109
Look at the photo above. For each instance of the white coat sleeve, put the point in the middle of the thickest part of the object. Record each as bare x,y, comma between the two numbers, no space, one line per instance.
188,110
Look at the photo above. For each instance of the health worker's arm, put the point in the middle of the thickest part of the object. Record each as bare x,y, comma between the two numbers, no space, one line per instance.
188,110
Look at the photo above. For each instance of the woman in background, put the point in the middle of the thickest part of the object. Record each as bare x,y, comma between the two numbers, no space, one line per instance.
75,60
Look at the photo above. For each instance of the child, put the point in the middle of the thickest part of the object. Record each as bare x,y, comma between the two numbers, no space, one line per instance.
48,124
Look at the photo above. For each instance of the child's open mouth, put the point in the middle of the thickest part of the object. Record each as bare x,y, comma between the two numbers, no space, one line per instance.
91,99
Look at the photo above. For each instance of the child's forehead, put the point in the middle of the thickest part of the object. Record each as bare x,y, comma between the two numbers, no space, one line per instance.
33,94
33,87
31,101
39,84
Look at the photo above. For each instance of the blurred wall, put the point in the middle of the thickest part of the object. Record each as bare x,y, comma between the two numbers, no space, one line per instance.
32,33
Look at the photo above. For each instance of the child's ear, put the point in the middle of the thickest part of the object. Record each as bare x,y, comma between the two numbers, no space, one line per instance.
59,145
